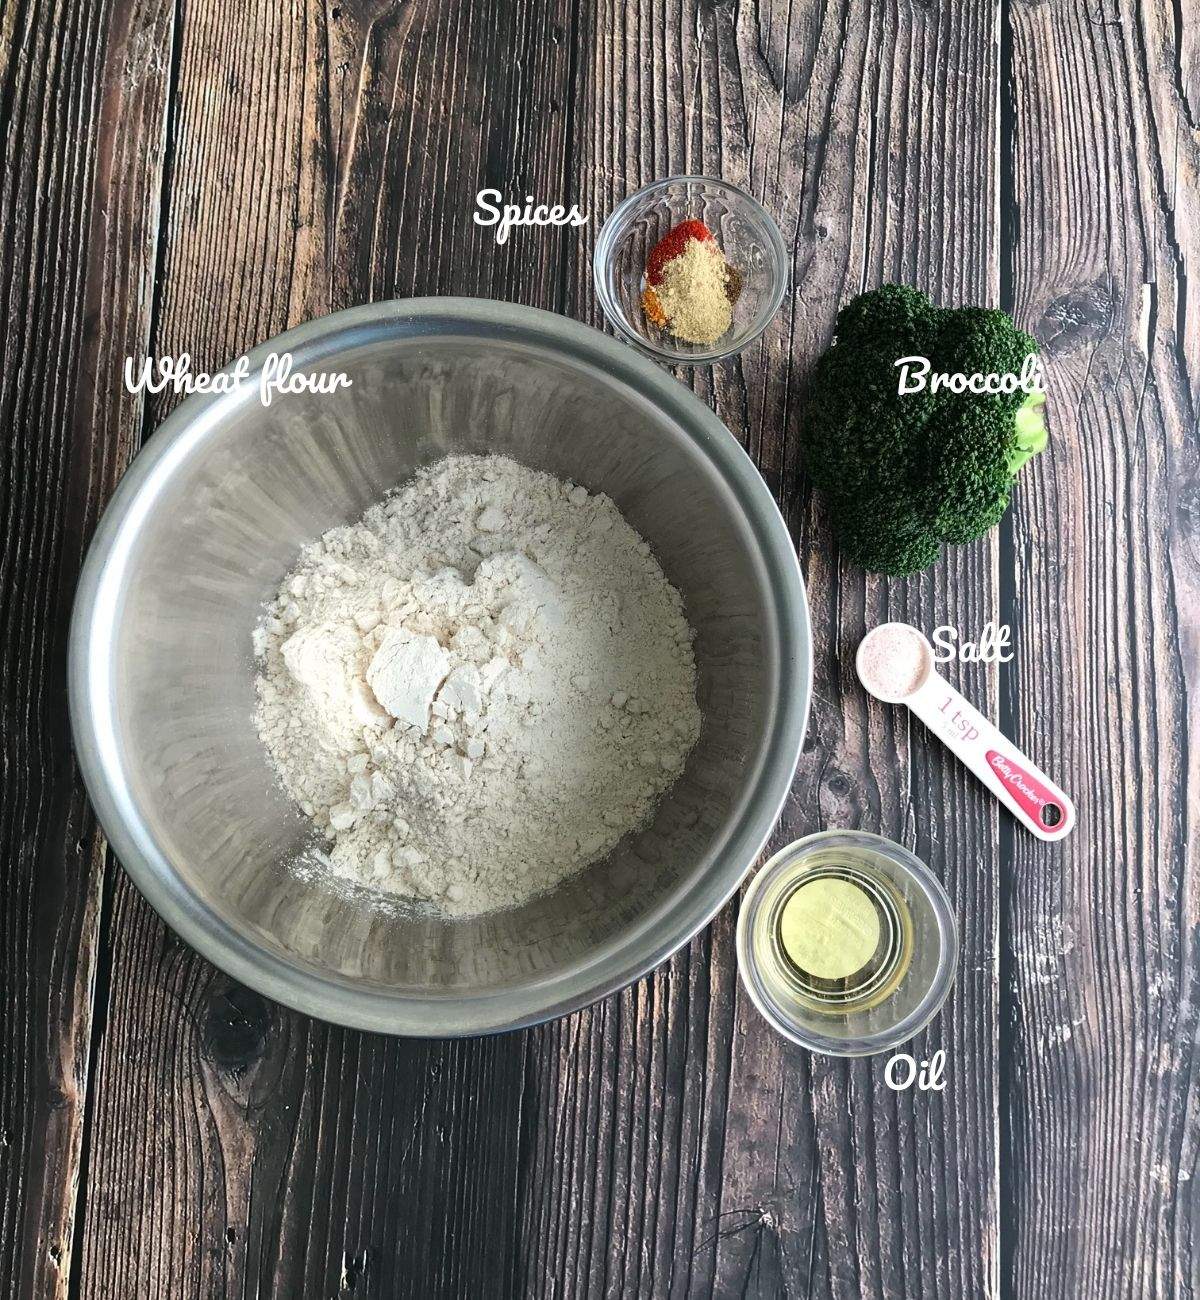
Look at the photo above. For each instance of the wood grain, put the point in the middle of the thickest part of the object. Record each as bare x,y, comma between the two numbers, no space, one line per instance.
82,96
1105,1093
197,177
684,1148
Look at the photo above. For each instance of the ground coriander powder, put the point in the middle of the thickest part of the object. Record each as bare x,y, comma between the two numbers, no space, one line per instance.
694,293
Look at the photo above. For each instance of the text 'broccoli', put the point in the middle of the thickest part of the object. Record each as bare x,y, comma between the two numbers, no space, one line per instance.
906,474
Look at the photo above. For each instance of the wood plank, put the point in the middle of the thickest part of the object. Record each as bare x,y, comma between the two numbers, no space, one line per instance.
1104,1101
83,96
676,1145
319,156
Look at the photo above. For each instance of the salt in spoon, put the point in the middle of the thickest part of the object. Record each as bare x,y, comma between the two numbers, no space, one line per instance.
895,664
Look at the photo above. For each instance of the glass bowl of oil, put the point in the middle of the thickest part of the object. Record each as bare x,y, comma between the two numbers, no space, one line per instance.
847,943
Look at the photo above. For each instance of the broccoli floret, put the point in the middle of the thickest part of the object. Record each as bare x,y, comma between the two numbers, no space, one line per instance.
904,475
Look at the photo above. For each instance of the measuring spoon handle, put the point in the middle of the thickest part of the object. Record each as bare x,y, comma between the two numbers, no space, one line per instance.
1036,801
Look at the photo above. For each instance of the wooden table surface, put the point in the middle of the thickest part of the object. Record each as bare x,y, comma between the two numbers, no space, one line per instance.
194,176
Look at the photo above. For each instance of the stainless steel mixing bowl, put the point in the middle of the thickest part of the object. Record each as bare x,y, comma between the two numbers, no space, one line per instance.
209,518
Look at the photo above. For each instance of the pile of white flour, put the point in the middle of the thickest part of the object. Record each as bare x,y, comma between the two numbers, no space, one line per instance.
479,688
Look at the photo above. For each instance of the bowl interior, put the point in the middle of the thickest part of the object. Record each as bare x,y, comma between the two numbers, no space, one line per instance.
218,519
747,235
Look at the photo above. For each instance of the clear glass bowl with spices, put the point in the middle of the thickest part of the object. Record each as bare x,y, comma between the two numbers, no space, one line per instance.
690,270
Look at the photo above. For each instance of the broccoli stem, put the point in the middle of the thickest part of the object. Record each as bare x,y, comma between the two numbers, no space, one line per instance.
1032,434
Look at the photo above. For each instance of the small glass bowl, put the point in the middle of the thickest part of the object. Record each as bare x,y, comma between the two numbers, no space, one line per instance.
907,1003
748,237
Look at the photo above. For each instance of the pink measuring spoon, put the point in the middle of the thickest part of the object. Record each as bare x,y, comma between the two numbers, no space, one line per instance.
895,663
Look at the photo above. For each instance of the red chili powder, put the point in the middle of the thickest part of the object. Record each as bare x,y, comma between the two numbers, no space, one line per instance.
672,244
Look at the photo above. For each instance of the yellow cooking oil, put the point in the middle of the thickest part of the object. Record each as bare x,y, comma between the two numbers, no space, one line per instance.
837,936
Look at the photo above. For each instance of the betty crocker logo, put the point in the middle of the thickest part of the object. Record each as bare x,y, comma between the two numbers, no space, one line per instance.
1028,787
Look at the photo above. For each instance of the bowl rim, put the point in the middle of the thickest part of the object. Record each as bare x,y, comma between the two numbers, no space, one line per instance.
340,1000
616,317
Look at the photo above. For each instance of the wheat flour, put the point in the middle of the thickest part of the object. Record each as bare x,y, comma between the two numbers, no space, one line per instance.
479,688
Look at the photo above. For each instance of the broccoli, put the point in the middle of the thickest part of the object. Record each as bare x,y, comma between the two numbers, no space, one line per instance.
903,475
